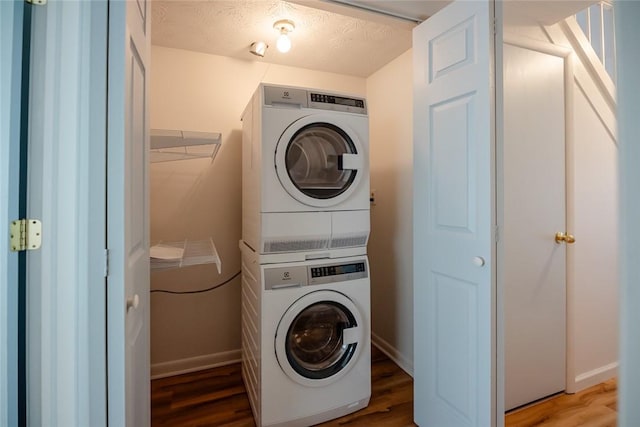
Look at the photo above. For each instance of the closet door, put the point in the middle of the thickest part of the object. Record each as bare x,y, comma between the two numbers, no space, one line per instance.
128,213
454,217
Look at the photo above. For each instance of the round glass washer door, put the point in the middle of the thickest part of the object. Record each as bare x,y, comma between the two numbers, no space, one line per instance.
319,160
319,338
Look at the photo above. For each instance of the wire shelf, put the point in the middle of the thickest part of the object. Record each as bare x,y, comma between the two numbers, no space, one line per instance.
170,145
168,255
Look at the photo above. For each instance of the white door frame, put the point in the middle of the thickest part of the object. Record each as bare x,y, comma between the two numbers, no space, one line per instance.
10,93
66,333
568,56
627,36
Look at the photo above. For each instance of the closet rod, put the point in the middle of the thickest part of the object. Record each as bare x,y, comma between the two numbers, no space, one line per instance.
375,10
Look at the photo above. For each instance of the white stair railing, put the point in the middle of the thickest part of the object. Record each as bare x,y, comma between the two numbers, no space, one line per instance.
597,23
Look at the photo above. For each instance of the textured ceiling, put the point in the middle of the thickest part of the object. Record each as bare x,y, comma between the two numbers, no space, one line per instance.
322,40
329,36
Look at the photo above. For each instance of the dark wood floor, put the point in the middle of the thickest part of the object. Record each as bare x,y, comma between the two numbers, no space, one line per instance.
217,397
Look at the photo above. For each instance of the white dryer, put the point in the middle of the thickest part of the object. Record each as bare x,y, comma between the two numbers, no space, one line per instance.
305,171
305,339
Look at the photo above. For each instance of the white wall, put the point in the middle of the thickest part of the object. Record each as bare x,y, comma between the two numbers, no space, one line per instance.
390,97
197,199
595,253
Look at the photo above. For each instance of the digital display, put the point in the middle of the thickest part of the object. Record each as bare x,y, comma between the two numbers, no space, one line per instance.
345,101
334,270
344,269
331,99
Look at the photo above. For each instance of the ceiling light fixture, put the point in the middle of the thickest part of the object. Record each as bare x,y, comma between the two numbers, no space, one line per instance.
284,26
258,48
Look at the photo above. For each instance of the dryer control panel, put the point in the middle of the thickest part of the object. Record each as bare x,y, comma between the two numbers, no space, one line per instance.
335,102
280,96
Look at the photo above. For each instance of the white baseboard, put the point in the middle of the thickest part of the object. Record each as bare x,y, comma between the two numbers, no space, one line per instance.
593,377
403,362
207,361
193,364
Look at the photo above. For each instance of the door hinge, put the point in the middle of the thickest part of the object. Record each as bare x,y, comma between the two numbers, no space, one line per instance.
496,233
26,235
106,263
36,2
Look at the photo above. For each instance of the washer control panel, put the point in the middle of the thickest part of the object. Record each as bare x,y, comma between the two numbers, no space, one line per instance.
298,276
337,272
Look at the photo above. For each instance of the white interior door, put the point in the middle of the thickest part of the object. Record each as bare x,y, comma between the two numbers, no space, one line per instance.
454,217
534,264
128,213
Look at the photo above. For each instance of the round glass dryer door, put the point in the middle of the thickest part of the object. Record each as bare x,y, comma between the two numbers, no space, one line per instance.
319,340
319,162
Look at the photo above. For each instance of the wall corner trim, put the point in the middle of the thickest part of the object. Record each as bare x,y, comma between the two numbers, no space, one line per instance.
593,377
401,360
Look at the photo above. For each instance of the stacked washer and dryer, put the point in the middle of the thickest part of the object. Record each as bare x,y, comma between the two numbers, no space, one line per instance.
305,274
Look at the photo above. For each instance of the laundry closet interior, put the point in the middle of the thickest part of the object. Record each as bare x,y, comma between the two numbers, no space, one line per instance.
200,199
202,78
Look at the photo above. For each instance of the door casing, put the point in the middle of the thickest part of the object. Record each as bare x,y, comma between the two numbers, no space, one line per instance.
11,51
66,327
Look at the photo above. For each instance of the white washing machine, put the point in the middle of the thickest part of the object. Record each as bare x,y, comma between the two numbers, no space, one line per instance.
305,339
305,171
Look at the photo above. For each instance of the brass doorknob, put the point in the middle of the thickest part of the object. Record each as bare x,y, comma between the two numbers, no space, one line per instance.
564,237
